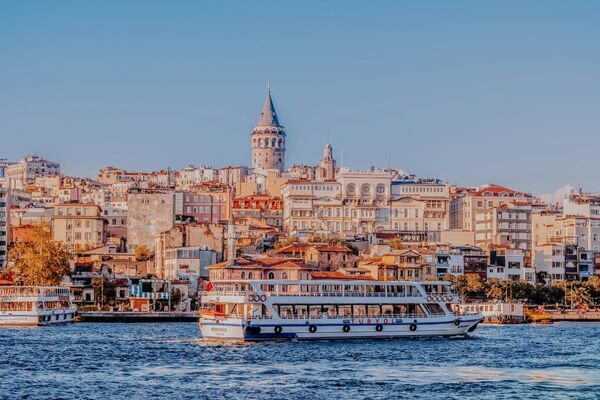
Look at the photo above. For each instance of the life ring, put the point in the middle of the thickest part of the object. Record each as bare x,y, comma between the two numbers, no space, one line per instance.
457,321
346,328
448,299
429,299
312,328
278,329
413,327
251,298
378,327
262,298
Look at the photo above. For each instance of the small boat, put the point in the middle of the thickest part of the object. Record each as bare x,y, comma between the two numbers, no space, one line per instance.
35,305
254,310
498,312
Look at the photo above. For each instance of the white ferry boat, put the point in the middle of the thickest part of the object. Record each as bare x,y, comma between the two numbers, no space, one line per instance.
252,310
35,305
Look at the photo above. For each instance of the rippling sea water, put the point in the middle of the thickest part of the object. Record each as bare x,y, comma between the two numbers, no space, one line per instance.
141,361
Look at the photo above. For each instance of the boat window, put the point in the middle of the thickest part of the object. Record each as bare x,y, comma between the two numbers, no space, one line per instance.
315,311
285,311
329,310
300,311
266,312
387,309
400,309
359,310
434,308
345,310
243,275
373,309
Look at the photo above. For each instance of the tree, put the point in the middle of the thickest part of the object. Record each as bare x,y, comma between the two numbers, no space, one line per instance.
142,253
496,289
176,297
39,261
396,244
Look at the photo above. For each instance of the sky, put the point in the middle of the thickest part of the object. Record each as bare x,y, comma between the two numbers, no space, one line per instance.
466,91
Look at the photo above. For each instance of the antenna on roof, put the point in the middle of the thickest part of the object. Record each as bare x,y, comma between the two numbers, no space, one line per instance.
269,87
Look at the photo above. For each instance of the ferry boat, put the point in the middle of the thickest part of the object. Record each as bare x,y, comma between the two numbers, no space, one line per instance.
253,310
35,305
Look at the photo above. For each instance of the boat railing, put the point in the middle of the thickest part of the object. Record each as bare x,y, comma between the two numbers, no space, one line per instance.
362,317
29,291
312,294
355,317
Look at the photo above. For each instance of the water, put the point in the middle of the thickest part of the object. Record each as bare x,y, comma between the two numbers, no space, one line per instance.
140,361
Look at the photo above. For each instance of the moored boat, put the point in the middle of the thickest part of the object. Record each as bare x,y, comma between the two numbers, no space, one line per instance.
252,310
35,305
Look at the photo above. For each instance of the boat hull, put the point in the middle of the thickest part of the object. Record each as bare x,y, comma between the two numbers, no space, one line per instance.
340,329
45,318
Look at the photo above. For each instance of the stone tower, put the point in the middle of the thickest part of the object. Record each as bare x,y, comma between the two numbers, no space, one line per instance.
326,168
268,139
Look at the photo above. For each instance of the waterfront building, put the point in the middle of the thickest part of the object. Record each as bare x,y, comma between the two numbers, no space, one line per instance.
78,225
467,203
549,261
509,265
204,236
268,140
149,212
189,264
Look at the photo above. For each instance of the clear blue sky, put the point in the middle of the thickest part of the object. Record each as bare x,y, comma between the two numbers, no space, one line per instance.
471,92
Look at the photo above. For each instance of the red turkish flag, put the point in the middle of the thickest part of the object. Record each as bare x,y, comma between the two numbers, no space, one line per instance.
208,287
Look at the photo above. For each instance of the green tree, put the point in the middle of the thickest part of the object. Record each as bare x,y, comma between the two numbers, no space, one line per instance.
176,297
39,260
105,292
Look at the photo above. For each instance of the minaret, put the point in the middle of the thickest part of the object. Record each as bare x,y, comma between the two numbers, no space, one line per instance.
268,139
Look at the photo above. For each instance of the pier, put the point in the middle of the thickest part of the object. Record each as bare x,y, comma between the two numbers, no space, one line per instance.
124,316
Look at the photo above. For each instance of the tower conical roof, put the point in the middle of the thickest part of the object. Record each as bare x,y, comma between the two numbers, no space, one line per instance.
268,116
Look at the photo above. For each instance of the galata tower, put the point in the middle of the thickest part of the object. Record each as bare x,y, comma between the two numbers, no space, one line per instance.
268,139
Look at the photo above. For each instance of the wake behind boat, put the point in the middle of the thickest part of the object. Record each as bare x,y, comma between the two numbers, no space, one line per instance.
255,310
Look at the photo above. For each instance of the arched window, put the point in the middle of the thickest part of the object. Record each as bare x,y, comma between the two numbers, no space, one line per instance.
284,275
365,189
271,275
380,188
250,275
351,189
260,142
280,143
273,142
243,275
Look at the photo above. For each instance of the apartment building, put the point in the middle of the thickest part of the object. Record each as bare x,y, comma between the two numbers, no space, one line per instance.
504,225
28,169
467,203
149,212
78,225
